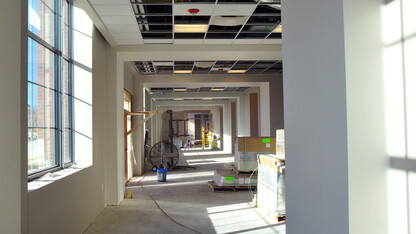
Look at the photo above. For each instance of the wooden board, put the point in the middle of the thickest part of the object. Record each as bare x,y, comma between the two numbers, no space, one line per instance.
129,193
216,188
256,144
271,161
242,173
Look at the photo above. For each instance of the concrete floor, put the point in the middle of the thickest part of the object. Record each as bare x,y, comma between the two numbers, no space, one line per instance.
187,198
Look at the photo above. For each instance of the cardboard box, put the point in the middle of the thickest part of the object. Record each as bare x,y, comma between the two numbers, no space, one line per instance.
256,144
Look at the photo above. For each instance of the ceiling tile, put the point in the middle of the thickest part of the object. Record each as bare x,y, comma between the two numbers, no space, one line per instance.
234,9
182,9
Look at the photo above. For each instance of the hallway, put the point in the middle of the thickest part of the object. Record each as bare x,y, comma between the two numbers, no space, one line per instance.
187,198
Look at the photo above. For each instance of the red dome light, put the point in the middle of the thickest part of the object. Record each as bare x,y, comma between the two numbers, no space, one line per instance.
193,11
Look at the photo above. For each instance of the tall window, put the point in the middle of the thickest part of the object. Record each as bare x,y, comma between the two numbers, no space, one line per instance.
58,78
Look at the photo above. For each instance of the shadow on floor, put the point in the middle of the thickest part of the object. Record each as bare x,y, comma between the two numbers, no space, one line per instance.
186,197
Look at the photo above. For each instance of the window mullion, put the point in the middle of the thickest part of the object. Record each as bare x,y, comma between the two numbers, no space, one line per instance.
58,84
71,81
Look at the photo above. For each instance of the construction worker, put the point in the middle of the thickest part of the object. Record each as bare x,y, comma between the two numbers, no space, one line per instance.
215,143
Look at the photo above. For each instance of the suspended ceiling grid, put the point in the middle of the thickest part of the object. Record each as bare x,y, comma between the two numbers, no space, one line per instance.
208,67
223,20
217,21
158,94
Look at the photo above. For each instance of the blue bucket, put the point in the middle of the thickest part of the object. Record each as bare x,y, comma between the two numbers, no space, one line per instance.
161,175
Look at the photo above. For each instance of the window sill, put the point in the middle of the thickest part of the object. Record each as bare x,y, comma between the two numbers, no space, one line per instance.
52,177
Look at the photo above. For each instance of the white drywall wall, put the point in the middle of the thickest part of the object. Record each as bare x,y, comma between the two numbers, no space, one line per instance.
271,114
70,204
138,134
13,121
128,78
243,115
115,128
367,160
315,117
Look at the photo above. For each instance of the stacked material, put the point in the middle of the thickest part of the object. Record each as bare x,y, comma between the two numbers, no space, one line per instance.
280,143
227,177
270,185
247,149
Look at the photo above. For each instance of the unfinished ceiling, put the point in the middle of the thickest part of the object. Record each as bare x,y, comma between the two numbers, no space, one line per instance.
208,67
191,21
196,90
190,99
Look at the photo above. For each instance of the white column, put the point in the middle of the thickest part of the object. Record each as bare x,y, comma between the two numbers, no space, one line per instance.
315,117
227,128
367,158
115,129
264,110
334,117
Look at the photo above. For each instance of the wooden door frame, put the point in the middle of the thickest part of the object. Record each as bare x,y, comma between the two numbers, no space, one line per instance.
126,150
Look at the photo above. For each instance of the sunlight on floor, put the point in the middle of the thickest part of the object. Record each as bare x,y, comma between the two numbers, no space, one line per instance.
243,217
207,152
186,175
210,161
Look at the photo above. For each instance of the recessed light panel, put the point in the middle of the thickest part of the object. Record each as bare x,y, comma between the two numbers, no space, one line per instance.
188,28
236,71
183,71
278,29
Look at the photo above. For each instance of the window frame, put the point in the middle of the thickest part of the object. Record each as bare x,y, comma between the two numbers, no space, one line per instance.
59,57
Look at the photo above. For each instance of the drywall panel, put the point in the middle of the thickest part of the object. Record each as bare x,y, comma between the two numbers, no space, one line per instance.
13,121
70,204
315,117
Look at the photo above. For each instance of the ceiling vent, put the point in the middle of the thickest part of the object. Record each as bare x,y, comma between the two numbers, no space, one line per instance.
225,20
163,63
